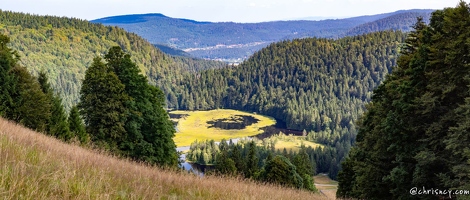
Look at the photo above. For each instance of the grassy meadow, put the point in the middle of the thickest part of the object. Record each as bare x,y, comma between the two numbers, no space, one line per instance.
195,127
35,166
290,142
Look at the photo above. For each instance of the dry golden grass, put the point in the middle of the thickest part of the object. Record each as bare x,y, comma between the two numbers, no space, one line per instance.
195,127
34,166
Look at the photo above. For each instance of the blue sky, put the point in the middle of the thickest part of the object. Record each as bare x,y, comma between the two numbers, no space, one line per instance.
220,10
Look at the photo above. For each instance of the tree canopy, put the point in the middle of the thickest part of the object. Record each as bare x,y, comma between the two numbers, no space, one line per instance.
125,114
415,131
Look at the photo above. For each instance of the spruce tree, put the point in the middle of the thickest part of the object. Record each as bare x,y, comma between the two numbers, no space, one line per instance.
101,104
8,60
251,160
224,164
149,131
414,131
76,126
31,107
57,124
281,171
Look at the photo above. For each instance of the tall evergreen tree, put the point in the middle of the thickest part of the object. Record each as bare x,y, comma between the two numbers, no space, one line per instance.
8,60
281,171
149,131
101,104
251,160
413,132
76,126
31,107
57,124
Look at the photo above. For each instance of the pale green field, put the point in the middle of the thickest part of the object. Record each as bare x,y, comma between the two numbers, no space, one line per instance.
195,127
291,142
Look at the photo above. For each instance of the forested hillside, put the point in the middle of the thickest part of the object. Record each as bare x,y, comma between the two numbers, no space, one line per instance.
317,85
63,48
415,133
313,84
401,21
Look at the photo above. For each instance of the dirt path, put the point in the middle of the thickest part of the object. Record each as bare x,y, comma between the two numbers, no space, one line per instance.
326,186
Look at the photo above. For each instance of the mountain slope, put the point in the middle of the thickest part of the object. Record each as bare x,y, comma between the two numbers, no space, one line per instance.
228,40
401,21
172,51
304,82
64,48
35,166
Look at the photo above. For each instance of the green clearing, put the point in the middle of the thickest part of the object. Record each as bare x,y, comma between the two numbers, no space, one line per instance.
194,125
290,142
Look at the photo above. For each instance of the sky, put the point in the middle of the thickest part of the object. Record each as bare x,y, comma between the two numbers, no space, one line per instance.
220,10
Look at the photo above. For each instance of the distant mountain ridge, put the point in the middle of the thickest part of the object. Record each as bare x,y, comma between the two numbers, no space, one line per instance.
138,18
231,41
401,21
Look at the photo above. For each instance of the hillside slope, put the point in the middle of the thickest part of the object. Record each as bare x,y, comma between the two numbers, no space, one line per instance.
34,166
65,47
402,21
312,84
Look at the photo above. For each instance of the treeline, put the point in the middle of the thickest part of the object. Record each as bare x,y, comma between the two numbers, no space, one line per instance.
319,85
122,112
325,159
315,84
31,101
415,132
261,163
64,47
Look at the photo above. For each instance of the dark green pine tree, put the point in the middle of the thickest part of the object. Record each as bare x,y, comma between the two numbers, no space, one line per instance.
305,169
346,179
414,132
101,104
224,164
281,171
149,131
31,107
236,156
8,60
76,126
445,155
458,142
251,160
57,124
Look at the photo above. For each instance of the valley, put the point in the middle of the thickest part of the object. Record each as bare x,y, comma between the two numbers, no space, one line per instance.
363,107
313,84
